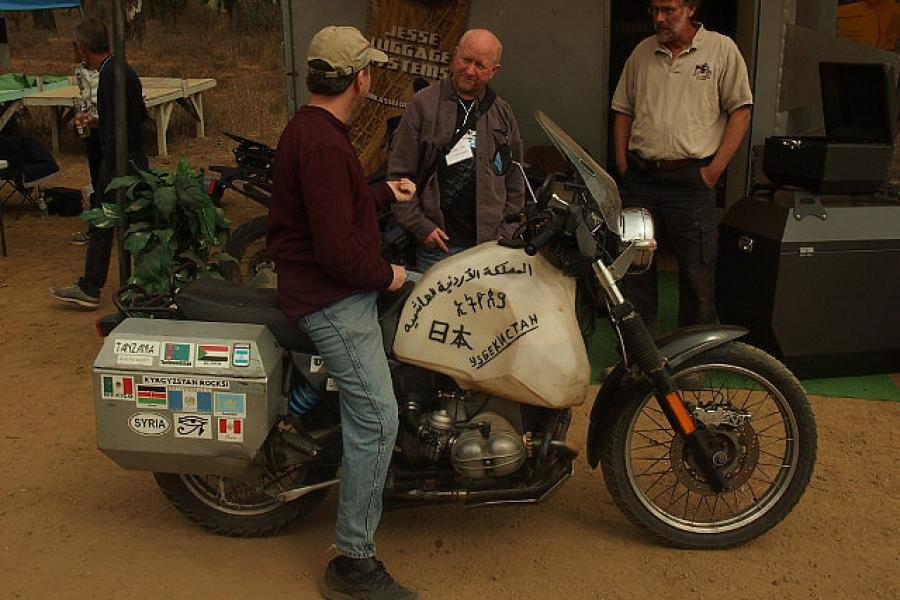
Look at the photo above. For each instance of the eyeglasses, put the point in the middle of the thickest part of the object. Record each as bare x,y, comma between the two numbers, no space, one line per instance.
667,11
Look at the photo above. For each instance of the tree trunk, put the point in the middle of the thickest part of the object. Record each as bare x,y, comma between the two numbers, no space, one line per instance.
44,19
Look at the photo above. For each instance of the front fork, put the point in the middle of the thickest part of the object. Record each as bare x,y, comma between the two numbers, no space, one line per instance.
636,339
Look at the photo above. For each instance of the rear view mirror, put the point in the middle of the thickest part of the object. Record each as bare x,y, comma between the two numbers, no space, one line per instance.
502,160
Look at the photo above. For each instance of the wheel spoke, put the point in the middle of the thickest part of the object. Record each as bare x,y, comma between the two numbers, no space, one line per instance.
655,422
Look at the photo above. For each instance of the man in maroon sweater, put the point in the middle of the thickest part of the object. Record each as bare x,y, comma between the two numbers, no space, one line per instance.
323,234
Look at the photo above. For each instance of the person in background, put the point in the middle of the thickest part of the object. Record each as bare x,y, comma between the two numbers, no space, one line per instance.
445,143
92,41
682,108
86,124
323,234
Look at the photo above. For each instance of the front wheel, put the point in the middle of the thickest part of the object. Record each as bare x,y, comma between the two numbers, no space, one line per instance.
762,430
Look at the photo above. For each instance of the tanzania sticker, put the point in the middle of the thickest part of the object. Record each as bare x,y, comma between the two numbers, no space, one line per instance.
316,364
118,388
198,427
148,423
231,430
330,385
240,356
151,396
186,382
177,355
196,401
230,405
209,355
135,352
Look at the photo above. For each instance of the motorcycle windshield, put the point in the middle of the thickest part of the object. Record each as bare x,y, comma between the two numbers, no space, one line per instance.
600,185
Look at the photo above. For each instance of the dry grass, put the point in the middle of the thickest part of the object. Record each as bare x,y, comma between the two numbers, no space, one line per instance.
250,96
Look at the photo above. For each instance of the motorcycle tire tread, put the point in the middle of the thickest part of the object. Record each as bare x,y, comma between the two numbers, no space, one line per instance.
243,526
614,438
239,242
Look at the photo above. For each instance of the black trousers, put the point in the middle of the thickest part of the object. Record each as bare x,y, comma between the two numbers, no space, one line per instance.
99,247
95,157
684,215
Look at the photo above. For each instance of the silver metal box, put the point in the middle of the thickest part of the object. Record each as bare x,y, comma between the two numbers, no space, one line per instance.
185,396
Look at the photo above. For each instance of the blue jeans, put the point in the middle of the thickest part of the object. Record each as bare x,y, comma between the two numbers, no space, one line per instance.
428,257
348,336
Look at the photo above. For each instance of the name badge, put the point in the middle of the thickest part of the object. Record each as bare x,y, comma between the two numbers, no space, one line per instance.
462,150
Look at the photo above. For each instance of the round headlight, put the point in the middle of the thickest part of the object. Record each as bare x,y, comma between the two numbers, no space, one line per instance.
636,226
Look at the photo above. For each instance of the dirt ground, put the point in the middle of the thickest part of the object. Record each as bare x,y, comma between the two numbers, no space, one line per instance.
74,525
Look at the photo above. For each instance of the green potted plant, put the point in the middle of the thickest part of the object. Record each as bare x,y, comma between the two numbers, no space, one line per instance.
173,230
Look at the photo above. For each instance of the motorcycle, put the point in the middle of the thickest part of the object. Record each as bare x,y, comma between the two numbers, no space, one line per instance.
704,441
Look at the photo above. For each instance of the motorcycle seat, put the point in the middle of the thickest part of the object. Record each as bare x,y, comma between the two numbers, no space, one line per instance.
221,301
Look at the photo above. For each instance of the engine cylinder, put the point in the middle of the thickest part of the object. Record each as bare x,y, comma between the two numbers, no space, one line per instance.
501,453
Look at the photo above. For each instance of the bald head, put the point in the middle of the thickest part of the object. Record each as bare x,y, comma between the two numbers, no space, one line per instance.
482,39
475,62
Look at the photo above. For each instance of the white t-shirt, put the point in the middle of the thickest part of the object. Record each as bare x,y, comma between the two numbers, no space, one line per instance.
680,107
88,80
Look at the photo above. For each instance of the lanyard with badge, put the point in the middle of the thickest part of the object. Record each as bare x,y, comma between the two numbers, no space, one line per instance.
464,149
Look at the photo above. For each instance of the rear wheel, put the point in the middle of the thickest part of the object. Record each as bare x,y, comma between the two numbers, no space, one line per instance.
247,244
763,434
246,507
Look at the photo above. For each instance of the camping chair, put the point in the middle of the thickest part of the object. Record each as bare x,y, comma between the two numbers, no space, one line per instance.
28,166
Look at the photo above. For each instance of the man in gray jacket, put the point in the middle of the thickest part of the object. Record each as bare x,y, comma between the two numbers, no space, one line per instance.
445,143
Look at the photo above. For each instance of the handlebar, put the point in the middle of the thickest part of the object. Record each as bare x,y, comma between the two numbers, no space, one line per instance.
540,240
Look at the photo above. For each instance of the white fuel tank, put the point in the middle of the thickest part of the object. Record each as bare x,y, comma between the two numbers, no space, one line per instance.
499,321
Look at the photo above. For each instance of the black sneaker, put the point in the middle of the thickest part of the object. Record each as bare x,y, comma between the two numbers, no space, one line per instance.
361,579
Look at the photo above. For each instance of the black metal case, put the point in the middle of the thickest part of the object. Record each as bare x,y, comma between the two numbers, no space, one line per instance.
855,155
820,293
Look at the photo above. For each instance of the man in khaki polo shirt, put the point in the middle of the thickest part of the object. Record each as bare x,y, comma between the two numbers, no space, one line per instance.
682,108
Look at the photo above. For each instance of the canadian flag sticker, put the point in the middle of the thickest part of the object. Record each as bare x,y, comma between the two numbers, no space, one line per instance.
231,430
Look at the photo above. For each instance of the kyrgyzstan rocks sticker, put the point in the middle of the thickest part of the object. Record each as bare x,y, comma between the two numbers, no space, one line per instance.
149,424
188,382
117,388
198,427
231,430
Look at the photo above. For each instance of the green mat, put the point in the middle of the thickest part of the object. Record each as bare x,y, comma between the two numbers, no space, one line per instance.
17,85
602,349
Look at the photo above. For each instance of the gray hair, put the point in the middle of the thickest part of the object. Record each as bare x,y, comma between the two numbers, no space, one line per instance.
92,33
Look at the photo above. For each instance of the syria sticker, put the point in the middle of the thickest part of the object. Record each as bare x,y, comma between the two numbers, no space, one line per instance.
231,430
212,355
149,424
240,355
117,388
194,426
177,355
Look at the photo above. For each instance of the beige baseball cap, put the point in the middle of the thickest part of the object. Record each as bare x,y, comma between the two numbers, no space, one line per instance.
345,49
